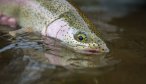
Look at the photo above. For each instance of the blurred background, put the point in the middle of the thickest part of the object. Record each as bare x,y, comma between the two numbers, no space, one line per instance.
123,25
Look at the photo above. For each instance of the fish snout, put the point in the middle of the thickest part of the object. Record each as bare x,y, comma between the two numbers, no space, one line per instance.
96,48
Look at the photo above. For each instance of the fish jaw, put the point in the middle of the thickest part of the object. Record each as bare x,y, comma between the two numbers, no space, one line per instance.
93,51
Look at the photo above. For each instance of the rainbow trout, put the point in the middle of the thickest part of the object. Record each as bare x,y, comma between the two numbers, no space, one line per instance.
56,19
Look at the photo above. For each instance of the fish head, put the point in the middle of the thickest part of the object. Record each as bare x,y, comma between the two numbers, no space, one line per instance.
80,40
85,42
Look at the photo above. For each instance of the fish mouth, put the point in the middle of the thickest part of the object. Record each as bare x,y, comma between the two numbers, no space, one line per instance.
91,51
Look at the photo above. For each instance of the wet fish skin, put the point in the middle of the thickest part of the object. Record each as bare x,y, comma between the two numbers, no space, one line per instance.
35,14
57,19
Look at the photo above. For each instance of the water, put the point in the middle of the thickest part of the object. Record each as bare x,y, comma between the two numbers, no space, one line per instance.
124,31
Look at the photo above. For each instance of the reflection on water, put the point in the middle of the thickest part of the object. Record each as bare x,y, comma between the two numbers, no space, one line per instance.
27,63
22,61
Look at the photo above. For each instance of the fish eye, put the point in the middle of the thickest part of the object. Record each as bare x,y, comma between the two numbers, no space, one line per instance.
81,37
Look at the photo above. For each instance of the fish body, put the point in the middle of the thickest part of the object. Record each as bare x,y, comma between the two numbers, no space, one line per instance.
57,19
32,13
